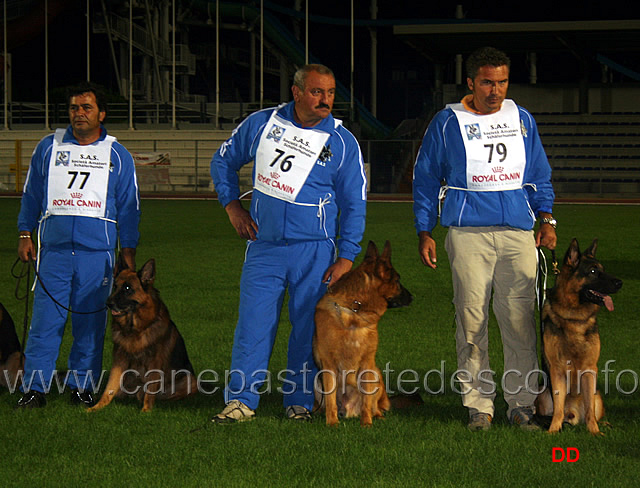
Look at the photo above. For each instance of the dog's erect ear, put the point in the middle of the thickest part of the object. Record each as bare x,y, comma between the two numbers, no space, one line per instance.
572,257
386,253
147,273
383,265
372,251
591,251
121,265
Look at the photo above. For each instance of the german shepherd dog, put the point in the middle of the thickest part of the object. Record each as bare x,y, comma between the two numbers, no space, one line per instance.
11,359
149,355
571,342
346,338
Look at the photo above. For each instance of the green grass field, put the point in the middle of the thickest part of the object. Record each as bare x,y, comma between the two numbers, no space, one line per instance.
199,261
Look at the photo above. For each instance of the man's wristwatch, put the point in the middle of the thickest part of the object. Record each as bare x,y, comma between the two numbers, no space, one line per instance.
549,220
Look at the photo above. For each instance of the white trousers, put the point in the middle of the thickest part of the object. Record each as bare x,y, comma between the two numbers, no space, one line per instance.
502,260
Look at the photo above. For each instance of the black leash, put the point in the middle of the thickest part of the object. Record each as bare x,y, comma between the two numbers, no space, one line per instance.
35,270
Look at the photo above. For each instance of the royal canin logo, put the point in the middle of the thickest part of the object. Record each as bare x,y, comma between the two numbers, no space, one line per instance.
497,169
274,175
76,194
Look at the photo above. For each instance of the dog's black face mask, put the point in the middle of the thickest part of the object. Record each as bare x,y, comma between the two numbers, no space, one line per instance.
598,285
121,301
403,299
130,288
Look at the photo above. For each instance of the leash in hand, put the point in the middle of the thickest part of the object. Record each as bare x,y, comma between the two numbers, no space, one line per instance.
35,270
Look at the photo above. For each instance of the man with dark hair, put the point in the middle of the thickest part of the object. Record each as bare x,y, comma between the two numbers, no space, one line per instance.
87,87
497,181
81,196
487,56
304,230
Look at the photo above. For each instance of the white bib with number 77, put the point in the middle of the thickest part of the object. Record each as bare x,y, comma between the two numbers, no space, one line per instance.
78,177
494,147
286,155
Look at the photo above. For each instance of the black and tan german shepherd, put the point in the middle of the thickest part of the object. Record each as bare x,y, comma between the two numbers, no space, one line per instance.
149,355
346,337
571,342
11,357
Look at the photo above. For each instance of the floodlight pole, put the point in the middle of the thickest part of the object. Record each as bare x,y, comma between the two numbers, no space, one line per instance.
6,81
173,65
217,64
261,53
46,64
130,65
351,111
88,45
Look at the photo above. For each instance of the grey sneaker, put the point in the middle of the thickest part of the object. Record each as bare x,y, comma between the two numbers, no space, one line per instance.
523,418
479,421
235,411
298,412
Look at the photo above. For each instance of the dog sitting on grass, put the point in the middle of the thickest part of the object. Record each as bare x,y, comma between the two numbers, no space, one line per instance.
346,337
150,359
571,342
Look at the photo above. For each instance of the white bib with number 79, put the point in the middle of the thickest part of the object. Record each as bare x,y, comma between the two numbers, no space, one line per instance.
494,147
285,157
78,177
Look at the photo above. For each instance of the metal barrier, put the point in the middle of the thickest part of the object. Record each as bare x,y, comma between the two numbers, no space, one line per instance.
186,156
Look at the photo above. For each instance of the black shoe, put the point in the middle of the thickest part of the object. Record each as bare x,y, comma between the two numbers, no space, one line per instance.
32,399
82,398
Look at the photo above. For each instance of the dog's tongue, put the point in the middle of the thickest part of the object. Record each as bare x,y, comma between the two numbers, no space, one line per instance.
608,302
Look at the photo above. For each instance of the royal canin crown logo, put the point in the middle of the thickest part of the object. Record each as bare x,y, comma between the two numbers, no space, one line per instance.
274,175
497,169
75,194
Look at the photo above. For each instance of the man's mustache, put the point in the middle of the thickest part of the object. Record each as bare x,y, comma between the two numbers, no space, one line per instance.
323,105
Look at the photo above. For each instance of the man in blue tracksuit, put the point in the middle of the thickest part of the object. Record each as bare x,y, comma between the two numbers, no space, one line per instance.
308,205
81,196
497,182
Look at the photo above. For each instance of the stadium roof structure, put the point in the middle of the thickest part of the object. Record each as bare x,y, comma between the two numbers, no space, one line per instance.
439,41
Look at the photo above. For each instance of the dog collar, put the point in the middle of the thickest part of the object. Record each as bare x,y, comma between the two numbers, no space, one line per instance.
355,307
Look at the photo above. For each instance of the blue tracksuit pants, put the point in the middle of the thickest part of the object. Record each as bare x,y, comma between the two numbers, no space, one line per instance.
269,268
81,281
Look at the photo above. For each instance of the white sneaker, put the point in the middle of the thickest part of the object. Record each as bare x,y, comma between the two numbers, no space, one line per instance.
235,411
298,412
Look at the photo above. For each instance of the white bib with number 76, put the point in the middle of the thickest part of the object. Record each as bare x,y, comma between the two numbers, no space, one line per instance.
285,157
78,177
494,147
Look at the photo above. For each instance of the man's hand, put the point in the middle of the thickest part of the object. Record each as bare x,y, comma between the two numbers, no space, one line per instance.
427,249
336,271
241,220
546,236
26,249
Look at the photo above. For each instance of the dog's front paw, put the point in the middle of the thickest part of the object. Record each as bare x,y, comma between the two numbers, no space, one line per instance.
595,431
366,420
